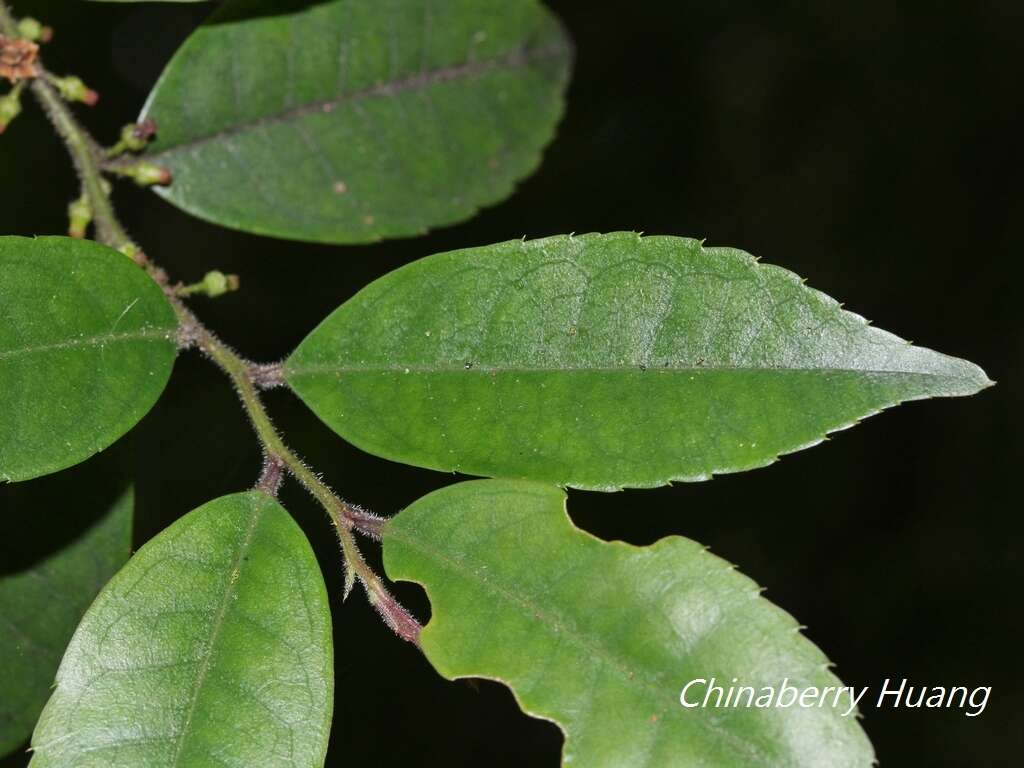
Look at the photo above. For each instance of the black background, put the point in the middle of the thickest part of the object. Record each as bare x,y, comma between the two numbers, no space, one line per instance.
872,147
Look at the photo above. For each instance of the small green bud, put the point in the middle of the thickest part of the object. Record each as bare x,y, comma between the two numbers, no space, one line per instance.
216,283
80,216
32,30
128,140
134,138
148,174
73,89
143,173
10,107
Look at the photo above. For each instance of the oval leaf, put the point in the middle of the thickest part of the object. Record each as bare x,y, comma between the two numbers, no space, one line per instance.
212,646
603,361
86,347
352,120
601,638
61,539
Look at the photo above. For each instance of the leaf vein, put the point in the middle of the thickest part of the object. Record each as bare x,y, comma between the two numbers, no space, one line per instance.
218,624
99,340
517,59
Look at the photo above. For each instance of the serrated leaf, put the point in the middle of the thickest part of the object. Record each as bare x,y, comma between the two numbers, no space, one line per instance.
353,120
61,539
603,361
212,646
86,347
601,637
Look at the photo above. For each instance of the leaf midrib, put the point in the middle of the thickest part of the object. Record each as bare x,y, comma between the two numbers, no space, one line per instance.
481,368
517,59
218,624
89,341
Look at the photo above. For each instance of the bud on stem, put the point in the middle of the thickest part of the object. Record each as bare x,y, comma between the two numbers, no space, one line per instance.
30,29
10,106
214,283
143,173
80,216
72,88
134,138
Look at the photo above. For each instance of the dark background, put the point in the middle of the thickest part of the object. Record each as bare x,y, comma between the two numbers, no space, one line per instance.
873,147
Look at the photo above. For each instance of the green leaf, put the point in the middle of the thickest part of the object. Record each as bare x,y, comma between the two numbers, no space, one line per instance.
353,120
61,539
601,638
86,347
211,647
603,361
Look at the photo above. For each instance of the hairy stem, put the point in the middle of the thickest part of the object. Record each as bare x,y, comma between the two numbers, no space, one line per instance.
278,454
8,26
87,157
86,154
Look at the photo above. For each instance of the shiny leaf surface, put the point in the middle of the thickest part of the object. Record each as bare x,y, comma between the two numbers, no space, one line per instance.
211,647
603,361
349,121
601,637
86,347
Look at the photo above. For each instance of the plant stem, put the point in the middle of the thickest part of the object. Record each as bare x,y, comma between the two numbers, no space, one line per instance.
87,157
278,454
85,153
8,26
